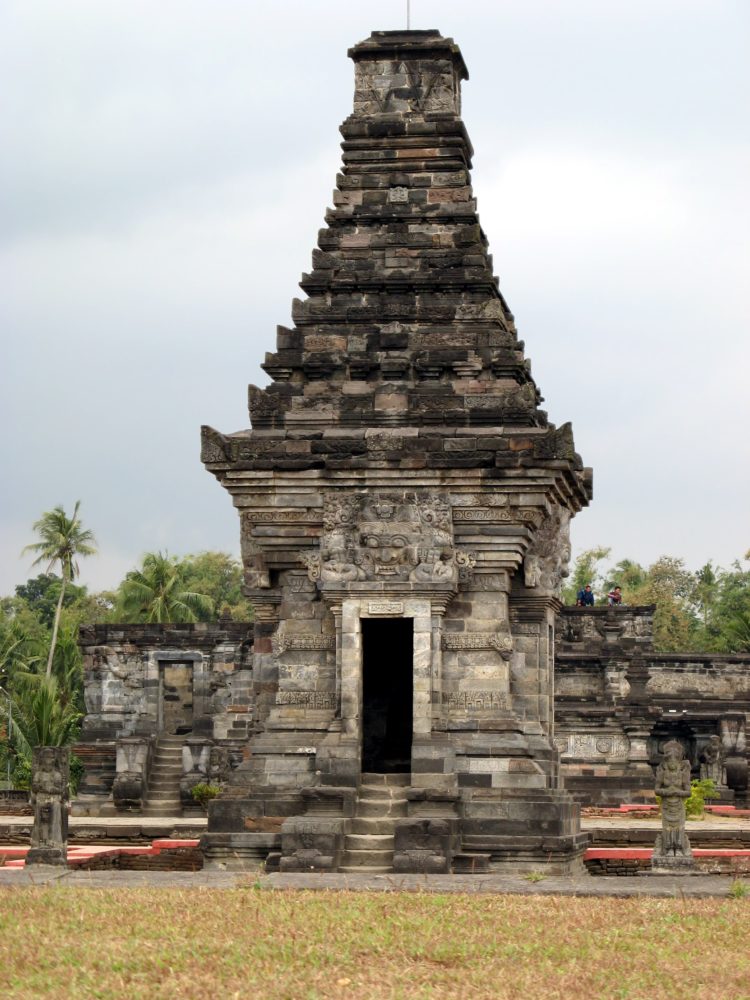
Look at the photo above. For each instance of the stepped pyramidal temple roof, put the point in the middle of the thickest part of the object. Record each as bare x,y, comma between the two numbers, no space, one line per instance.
404,324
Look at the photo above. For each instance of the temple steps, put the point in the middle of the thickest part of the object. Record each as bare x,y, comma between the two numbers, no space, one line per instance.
163,795
368,849
381,808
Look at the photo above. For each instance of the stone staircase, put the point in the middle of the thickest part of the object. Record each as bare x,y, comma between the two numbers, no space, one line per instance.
163,795
381,800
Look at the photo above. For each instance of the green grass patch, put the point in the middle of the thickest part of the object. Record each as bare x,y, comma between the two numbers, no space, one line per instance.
173,943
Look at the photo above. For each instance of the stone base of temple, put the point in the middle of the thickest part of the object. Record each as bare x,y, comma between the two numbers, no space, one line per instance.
47,856
238,851
418,829
498,823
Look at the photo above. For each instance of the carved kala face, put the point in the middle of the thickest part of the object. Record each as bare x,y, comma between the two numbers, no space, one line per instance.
390,546
386,552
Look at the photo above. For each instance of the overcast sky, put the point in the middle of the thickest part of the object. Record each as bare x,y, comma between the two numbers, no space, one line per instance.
166,167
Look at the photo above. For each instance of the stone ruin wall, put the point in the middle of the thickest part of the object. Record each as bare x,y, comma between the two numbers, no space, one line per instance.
123,696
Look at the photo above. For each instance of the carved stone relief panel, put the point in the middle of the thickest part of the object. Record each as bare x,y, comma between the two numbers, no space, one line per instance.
283,641
404,86
388,537
474,701
307,699
500,641
593,746
547,559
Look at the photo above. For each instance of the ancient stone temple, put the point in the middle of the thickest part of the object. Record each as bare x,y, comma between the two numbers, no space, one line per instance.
404,507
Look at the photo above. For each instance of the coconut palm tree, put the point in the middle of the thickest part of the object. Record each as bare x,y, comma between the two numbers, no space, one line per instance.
156,593
62,540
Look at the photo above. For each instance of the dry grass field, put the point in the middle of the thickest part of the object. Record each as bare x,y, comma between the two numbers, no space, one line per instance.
252,943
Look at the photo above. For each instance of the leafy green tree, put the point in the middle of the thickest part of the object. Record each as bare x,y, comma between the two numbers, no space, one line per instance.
62,540
669,585
218,576
736,633
705,593
157,592
727,627
42,594
67,667
626,574
20,649
586,570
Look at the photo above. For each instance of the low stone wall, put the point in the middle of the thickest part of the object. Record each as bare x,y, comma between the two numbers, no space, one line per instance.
14,802
705,864
180,859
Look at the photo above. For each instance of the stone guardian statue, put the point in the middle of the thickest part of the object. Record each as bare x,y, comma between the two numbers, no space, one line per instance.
672,848
50,797
712,763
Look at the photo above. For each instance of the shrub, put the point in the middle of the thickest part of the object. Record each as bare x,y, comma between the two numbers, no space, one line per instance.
77,771
739,889
534,877
700,790
204,792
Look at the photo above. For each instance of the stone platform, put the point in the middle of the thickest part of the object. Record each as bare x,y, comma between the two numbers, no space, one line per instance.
109,830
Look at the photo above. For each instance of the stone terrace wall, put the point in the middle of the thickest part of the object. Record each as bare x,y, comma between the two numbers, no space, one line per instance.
617,701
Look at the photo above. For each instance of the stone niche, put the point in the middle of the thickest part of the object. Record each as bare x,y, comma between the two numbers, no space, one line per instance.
404,508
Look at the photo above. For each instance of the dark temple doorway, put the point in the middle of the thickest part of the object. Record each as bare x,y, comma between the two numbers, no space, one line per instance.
387,713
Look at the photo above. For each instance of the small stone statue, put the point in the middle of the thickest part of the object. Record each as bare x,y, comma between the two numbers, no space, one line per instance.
712,762
672,847
50,795
219,765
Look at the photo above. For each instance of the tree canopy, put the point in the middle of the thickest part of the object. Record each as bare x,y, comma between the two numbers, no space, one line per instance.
158,592
708,609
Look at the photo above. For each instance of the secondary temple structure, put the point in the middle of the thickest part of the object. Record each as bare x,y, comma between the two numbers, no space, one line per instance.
404,507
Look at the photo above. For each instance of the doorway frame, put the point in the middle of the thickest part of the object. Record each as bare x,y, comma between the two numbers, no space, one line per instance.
164,658
353,610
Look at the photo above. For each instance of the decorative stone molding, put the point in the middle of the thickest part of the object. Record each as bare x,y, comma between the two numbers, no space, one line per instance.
307,699
385,607
593,745
466,561
501,642
469,701
300,515
283,642
492,582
